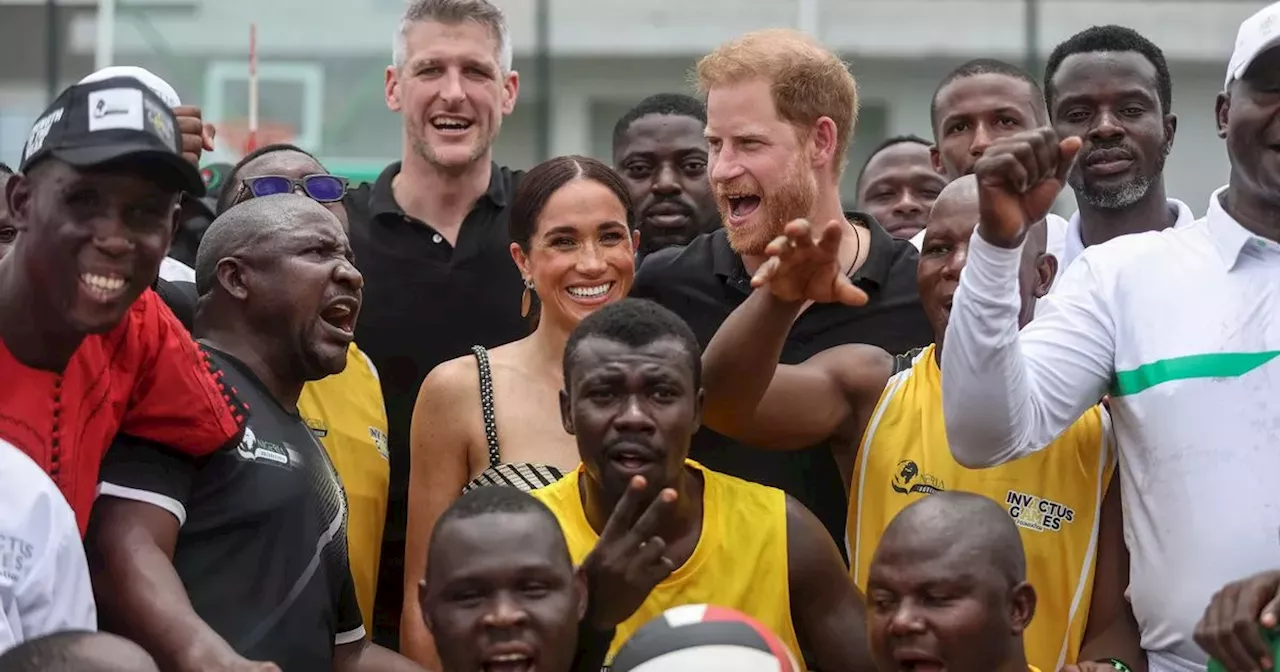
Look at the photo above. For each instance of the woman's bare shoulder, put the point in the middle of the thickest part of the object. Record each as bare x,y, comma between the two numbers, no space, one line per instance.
451,382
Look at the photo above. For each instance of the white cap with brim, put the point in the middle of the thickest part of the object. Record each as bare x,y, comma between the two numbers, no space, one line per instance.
1258,33
160,87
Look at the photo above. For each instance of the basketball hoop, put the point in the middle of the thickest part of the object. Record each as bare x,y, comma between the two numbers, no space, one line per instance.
233,135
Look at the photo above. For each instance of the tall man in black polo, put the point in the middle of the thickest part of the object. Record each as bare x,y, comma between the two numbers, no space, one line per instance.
431,234
759,162
242,556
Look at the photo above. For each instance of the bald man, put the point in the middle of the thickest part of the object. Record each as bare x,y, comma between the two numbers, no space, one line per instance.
243,556
884,415
77,651
948,588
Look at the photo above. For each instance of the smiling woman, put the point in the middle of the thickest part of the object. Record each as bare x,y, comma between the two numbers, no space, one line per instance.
493,418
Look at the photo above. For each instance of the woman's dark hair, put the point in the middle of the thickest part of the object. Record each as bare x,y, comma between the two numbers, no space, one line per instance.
546,178
536,188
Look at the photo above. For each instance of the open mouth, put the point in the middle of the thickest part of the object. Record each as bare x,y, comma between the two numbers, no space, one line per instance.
590,293
450,125
630,458
508,662
341,315
742,206
103,287
510,657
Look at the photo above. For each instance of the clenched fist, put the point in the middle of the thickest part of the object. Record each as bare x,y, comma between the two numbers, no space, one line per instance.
1019,177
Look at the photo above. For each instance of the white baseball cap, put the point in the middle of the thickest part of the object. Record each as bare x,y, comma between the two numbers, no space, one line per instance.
1257,34
160,87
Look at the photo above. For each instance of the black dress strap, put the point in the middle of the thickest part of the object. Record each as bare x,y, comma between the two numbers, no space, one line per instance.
486,404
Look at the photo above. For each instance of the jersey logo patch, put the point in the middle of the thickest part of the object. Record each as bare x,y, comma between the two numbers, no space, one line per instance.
1036,513
909,480
317,427
17,556
379,441
253,449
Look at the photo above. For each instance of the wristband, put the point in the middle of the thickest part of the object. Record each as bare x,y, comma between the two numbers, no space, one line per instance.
1116,663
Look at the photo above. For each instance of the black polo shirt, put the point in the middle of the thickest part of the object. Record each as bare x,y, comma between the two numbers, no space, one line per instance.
705,281
262,548
426,302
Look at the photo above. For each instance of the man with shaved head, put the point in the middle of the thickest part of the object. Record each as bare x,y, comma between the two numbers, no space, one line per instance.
173,539
964,547
77,651
884,415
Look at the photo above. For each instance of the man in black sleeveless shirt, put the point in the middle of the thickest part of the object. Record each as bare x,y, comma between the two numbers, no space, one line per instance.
242,556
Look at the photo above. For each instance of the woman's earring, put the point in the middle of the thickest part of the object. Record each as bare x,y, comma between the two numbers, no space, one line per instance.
526,299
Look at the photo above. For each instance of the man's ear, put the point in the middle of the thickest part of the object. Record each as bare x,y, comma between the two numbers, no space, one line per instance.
1222,112
1022,607
18,195
566,413
422,603
231,277
1046,272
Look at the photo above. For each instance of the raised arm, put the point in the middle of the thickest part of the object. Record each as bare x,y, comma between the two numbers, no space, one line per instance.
132,535
447,403
1006,394
829,614
752,398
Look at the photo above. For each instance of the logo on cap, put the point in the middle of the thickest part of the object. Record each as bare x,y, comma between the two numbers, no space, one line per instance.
40,131
159,122
115,108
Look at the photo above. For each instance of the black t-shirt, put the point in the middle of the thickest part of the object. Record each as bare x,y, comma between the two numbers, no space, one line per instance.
426,302
705,281
262,550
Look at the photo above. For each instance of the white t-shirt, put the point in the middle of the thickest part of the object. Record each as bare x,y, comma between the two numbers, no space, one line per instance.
44,579
172,270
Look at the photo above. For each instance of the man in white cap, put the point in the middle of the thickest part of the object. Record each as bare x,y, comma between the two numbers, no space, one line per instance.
44,580
1180,327
197,137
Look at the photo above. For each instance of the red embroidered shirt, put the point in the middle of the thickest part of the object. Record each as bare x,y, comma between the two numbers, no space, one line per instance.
145,378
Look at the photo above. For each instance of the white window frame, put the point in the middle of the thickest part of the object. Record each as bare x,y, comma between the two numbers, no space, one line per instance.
311,75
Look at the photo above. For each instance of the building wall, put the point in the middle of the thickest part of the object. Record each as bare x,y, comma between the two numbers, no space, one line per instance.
323,74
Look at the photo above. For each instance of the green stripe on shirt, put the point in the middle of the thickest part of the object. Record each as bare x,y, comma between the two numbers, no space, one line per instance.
1218,365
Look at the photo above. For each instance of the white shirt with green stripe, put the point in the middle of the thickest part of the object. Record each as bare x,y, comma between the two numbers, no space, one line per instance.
1182,328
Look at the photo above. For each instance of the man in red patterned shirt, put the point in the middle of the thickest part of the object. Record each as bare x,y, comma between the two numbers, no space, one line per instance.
87,349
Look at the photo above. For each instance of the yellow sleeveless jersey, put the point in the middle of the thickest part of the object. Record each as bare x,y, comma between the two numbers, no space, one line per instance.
740,560
1054,497
346,412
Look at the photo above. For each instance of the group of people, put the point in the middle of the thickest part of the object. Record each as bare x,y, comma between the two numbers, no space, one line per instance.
469,418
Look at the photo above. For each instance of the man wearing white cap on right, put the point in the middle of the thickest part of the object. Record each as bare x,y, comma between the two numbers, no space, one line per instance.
1180,327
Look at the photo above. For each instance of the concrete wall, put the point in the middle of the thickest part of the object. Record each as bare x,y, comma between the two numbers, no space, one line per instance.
609,54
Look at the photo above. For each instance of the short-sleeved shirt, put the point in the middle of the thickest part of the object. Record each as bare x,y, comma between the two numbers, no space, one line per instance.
426,302
706,280
145,378
262,550
44,579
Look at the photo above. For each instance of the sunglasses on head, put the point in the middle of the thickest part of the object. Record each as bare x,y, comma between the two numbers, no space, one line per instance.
321,187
